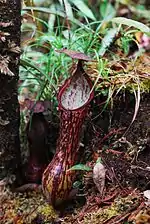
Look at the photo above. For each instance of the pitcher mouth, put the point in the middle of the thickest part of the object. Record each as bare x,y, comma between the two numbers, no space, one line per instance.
76,91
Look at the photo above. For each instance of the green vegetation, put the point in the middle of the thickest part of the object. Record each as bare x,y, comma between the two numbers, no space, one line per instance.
114,37
96,31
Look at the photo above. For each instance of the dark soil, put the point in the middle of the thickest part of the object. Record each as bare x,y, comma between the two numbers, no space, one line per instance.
132,167
125,154
9,107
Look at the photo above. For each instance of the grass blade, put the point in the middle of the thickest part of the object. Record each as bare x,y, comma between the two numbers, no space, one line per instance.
84,9
107,40
131,22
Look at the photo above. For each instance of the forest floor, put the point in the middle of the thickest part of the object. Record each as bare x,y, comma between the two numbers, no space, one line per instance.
117,130
127,162
126,158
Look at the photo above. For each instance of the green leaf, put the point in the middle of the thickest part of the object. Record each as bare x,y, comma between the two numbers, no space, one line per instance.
107,40
107,10
99,160
130,22
77,184
84,9
51,20
53,12
26,63
28,27
141,13
103,7
81,167
68,9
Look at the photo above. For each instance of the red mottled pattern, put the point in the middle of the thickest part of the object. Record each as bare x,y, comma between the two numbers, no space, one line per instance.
37,134
56,181
34,170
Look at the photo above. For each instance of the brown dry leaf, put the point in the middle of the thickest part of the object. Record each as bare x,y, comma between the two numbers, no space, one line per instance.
143,40
3,36
4,62
75,54
3,122
142,64
35,106
13,47
118,66
99,174
143,217
6,24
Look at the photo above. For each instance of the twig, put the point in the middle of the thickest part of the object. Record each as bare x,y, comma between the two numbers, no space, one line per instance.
112,220
117,180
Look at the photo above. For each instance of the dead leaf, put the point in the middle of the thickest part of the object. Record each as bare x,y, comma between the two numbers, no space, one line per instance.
147,194
13,47
35,106
4,62
75,54
6,24
4,122
99,174
118,66
3,36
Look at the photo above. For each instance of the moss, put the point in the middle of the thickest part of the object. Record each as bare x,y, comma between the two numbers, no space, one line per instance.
121,74
119,207
26,208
